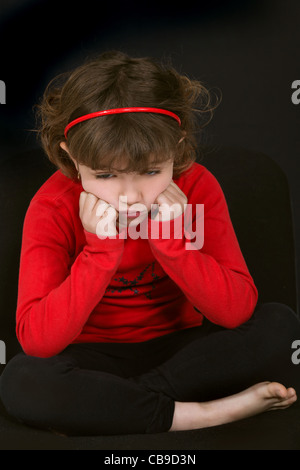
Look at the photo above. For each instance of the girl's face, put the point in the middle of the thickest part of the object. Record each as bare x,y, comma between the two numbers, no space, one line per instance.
127,188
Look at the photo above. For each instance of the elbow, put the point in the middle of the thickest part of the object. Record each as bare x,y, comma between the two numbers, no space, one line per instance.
39,352
36,347
235,321
241,311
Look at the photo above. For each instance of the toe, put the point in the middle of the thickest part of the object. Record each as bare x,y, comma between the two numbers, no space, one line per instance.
277,390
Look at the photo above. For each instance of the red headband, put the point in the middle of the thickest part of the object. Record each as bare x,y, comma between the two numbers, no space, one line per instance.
120,111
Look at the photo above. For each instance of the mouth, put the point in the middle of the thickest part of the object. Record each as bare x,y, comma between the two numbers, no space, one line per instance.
130,216
133,215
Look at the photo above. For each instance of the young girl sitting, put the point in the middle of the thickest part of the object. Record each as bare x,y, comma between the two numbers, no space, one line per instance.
129,322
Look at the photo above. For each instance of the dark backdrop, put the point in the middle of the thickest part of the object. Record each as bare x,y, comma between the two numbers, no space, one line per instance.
247,49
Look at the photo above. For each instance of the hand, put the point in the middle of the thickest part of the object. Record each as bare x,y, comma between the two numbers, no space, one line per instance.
97,216
170,203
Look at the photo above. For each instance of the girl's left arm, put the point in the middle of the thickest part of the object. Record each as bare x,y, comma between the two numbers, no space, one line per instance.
213,277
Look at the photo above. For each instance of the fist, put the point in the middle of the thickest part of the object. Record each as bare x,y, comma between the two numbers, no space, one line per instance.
170,203
97,216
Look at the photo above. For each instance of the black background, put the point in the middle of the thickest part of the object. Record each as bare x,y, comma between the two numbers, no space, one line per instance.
247,49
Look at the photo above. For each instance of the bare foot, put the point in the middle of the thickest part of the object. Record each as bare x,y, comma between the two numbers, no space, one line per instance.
261,397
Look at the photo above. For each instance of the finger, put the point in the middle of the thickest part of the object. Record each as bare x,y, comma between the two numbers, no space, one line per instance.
91,203
173,191
82,199
170,197
169,192
88,202
112,212
164,198
174,185
101,208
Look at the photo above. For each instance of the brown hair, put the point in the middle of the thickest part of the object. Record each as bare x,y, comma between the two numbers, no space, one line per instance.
115,80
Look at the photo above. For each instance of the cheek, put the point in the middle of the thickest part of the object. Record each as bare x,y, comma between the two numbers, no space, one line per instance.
162,185
95,188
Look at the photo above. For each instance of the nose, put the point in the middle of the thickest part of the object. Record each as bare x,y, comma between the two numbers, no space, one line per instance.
131,194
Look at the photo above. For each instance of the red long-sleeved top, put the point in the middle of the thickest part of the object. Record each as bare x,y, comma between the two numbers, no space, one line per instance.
75,287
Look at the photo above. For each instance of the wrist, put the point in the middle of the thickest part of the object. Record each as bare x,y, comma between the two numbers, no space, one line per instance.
166,229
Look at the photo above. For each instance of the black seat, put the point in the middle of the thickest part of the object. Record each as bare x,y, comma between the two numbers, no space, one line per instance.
258,198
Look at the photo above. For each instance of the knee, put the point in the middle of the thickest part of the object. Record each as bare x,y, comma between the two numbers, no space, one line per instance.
278,317
25,387
17,383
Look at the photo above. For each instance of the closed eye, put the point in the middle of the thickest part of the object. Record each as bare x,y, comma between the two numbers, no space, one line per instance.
104,176
109,175
153,172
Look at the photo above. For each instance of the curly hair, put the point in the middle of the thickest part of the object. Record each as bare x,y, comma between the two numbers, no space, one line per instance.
116,80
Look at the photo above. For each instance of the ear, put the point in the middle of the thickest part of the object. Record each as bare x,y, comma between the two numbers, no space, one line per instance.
64,146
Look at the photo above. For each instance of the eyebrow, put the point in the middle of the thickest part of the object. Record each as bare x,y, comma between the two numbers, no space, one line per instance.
106,170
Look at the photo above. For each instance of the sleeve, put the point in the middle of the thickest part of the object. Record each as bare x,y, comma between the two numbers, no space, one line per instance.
56,297
211,272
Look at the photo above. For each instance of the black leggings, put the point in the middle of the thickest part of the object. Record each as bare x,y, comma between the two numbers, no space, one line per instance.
131,388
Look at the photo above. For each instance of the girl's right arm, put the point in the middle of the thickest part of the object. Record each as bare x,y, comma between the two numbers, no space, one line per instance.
56,297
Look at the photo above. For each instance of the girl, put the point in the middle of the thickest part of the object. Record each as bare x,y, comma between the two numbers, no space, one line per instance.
127,334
